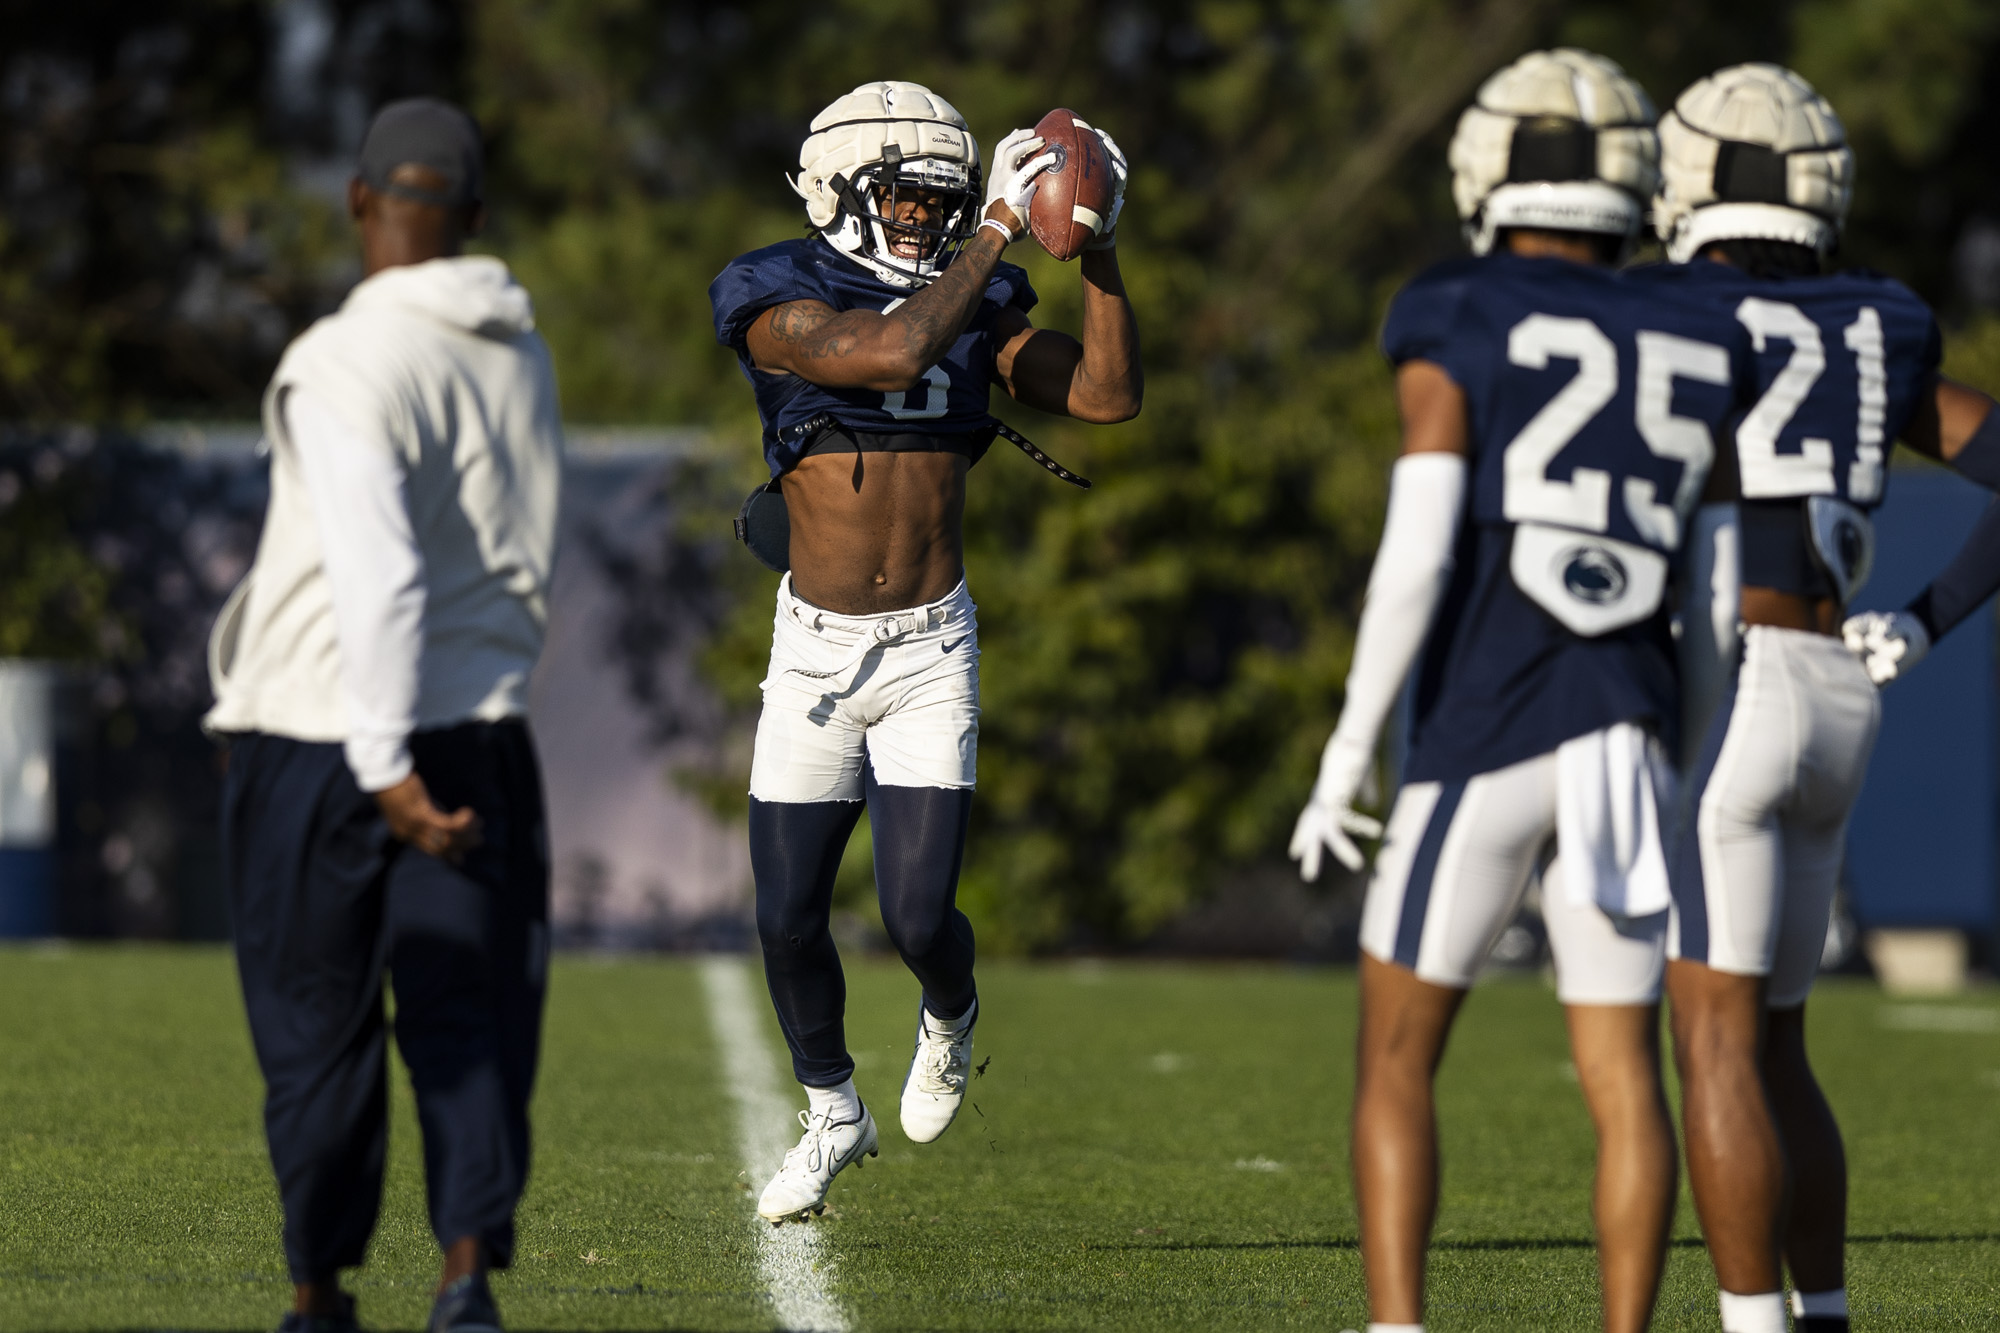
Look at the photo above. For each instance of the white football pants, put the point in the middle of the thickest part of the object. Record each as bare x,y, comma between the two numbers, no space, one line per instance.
898,691
1455,862
1764,827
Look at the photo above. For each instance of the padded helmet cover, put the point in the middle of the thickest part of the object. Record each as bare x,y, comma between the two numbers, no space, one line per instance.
1752,152
1559,139
878,133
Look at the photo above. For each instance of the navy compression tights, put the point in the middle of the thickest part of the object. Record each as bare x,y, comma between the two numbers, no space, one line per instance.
795,852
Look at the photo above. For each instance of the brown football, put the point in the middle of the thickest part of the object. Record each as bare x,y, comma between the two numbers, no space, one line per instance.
1073,199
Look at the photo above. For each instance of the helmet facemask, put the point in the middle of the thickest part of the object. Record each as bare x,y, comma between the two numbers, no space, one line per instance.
905,218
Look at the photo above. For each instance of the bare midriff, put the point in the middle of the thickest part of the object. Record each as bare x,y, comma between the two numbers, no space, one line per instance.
1789,610
876,532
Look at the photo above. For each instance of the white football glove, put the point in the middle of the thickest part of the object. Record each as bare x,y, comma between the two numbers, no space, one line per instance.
1016,175
1330,819
1119,171
1888,643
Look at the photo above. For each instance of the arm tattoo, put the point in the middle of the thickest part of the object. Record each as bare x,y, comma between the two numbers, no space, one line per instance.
803,324
930,322
935,316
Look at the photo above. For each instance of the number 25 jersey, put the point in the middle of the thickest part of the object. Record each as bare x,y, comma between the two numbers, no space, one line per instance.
1593,408
951,399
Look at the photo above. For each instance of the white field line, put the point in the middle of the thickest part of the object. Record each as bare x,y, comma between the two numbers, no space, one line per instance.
793,1261
1939,1018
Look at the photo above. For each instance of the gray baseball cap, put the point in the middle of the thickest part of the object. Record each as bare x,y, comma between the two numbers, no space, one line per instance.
431,133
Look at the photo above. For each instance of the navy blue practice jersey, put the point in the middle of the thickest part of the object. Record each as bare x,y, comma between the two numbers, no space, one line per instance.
952,399
1594,407
1841,362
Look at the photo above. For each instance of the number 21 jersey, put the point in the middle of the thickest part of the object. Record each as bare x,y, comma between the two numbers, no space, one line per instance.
1840,363
1593,409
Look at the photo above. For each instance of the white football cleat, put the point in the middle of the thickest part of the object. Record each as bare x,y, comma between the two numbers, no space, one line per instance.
939,1071
800,1186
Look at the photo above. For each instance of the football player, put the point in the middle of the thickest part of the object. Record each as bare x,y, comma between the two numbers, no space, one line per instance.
1558,427
872,345
1756,176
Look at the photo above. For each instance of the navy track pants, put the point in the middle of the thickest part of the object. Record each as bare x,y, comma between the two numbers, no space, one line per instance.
324,902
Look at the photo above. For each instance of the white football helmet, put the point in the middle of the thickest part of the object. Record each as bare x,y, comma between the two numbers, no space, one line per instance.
1752,153
867,154
1561,140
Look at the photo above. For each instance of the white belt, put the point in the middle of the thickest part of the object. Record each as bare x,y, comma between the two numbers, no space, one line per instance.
887,630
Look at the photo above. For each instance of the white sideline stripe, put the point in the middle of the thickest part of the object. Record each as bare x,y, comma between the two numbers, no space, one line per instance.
791,1259
1940,1018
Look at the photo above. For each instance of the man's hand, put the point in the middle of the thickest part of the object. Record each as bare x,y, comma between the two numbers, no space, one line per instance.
414,819
1119,171
1329,819
1888,643
1012,186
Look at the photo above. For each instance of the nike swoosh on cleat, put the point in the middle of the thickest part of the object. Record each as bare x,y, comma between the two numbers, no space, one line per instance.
954,643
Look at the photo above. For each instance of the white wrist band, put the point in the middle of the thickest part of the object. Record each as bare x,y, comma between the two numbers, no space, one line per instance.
998,226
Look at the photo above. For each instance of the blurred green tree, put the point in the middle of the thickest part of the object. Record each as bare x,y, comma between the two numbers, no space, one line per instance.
154,253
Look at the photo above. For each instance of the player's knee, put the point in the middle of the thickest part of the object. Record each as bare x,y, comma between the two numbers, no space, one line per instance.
1710,1045
788,924
790,921
915,933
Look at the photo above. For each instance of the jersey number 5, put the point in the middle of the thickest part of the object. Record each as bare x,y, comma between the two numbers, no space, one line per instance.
1583,502
933,397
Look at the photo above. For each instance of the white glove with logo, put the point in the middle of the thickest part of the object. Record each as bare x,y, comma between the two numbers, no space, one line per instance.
1888,643
1016,170
1329,819
1108,237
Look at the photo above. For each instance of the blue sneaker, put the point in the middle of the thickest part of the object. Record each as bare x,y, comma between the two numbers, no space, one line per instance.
343,1322
466,1306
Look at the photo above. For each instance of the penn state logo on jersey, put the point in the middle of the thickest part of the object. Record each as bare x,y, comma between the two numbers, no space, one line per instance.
1591,584
1843,540
1594,575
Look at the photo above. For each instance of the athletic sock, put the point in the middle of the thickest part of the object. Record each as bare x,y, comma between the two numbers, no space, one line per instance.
1395,1328
840,1105
950,1025
1761,1313
1821,1311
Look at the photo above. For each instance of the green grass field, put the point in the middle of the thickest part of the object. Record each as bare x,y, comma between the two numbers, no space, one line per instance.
1154,1147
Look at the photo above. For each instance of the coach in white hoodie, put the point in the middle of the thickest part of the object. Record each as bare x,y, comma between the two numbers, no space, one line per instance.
382,810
